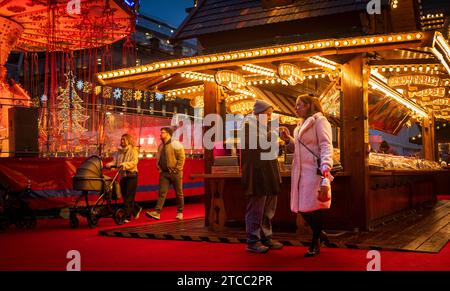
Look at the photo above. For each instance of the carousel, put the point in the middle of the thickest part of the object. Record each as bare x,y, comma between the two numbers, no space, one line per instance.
58,28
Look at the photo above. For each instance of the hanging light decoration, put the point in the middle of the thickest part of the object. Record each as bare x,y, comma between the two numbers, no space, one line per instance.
291,73
127,95
117,93
98,90
137,95
243,107
87,87
229,79
197,102
80,85
159,96
239,104
107,92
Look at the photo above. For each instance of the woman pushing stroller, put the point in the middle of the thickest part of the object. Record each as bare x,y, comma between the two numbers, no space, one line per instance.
126,159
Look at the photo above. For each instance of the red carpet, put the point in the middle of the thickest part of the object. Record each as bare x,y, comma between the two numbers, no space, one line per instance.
45,248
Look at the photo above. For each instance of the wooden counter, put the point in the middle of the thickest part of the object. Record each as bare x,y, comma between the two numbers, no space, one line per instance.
236,175
390,192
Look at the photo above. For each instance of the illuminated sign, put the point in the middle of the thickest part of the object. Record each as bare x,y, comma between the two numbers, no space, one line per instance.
197,101
432,92
291,73
437,102
414,80
445,82
229,79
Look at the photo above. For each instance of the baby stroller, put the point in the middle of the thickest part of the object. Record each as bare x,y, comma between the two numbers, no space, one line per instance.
89,177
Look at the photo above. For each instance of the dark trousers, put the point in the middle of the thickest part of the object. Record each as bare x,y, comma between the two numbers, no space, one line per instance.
128,187
258,217
315,221
165,180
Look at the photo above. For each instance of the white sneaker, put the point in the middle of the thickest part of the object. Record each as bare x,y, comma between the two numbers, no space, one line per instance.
179,216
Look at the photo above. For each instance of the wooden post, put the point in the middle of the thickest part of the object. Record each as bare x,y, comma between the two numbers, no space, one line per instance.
355,138
211,99
429,138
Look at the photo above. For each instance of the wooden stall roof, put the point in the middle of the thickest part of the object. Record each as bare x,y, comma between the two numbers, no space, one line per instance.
391,55
212,16
151,76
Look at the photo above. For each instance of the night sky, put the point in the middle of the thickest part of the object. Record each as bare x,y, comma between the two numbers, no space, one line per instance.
170,11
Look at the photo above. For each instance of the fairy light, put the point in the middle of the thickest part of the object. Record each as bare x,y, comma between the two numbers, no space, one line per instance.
183,91
198,76
252,81
394,4
247,93
433,21
323,62
259,70
315,75
262,52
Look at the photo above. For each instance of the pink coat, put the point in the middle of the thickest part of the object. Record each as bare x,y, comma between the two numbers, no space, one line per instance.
314,132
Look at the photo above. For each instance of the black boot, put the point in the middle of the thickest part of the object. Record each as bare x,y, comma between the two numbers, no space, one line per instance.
324,238
314,249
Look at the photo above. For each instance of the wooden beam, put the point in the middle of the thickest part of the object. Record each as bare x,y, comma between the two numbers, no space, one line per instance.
355,137
429,139
211,99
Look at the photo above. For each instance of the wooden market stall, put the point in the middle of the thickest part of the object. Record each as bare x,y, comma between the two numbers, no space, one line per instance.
378,80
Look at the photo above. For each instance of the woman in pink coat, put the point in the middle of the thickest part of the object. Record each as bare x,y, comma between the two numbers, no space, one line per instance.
310,188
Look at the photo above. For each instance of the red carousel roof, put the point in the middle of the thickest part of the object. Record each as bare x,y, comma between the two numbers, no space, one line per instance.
40,26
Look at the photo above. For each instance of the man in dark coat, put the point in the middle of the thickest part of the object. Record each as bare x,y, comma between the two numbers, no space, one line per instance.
260,178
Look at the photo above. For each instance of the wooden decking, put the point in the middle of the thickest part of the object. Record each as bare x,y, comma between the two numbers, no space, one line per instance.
422,230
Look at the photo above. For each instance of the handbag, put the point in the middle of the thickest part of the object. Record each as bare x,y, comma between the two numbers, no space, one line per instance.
319,162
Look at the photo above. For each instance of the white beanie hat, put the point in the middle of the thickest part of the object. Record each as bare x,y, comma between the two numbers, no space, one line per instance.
261,106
